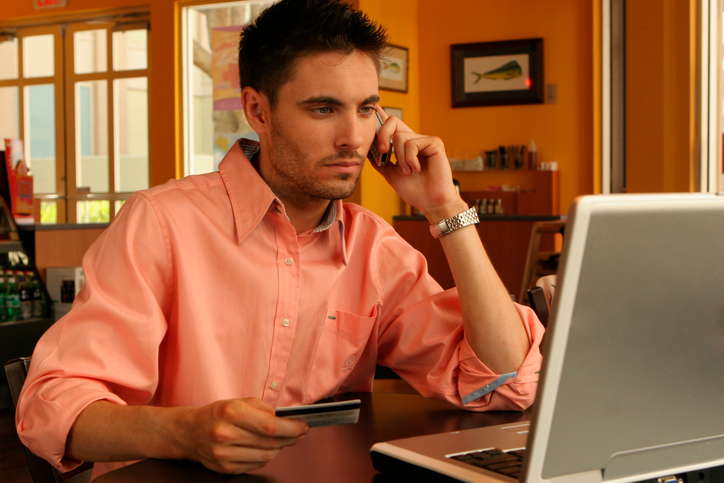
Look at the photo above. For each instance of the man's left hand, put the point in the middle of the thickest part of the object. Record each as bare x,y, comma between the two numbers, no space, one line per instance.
422,175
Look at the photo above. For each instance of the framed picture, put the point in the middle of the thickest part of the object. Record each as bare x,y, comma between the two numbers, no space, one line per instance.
497,73
393,111
393,72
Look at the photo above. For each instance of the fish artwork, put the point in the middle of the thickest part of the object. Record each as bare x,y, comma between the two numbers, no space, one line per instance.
392,67
511,70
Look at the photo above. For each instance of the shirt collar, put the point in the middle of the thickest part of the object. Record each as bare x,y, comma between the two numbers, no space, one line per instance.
251,198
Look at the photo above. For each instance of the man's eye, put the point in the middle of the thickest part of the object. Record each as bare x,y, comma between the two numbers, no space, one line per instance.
322,110
367,110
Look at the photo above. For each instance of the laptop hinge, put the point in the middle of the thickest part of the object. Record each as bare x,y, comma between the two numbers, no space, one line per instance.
592,476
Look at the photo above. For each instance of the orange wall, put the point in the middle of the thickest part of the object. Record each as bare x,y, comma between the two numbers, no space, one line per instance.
563,131
163,85
400,19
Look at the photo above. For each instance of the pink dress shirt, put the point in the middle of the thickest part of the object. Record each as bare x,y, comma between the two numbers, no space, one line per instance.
201,290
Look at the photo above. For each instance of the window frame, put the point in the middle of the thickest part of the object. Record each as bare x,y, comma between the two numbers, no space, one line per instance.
57,80
66,195
75,196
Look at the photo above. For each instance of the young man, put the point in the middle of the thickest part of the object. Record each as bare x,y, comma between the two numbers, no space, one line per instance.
213,299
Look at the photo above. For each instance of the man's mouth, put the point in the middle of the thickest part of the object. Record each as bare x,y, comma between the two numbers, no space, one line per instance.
346,162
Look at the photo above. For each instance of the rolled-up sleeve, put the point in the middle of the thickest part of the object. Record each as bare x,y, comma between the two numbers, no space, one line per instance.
423,340
106,347
502,391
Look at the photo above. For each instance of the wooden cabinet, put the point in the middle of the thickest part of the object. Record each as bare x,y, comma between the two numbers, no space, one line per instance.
505,238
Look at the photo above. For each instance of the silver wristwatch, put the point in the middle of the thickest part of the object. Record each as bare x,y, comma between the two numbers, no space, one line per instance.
449,225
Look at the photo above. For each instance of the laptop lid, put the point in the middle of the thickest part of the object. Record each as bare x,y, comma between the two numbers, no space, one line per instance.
633,378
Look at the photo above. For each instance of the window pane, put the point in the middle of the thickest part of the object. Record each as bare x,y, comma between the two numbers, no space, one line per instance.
38,56
214,118
130,49
40,136
91,127
9,113
48,212
131,124
89,51
94,211
9,59
119,204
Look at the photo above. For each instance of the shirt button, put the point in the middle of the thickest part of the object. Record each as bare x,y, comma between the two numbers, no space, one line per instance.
286,322
288,261
274,385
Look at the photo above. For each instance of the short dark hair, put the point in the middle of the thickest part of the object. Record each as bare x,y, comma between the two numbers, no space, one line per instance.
270,47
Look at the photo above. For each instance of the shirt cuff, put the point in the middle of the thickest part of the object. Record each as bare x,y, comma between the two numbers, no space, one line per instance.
487,388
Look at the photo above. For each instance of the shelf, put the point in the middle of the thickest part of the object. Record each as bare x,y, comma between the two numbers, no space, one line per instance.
34,320
11,246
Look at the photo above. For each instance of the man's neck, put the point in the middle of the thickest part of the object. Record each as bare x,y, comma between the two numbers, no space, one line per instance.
305,217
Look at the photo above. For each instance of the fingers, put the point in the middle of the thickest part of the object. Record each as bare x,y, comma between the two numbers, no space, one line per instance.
237,459
391,125
409,146
275,427
252,421
239,435
413,151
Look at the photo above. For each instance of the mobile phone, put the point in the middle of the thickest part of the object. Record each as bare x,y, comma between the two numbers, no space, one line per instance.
324,414
374,154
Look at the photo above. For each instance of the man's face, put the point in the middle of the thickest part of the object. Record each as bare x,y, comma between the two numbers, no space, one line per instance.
321,128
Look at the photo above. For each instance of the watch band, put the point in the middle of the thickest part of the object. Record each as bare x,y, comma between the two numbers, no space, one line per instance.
449,225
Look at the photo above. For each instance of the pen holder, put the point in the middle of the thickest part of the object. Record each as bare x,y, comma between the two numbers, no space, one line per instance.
519,161
491,159
504,160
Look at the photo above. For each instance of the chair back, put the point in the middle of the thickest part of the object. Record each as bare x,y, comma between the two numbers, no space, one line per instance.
541,296
41,471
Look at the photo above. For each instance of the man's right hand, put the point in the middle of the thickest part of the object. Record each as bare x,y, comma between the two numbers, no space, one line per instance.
238,435
231,436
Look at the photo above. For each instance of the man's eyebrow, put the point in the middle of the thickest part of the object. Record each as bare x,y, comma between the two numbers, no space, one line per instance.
335,102
320,100
372,100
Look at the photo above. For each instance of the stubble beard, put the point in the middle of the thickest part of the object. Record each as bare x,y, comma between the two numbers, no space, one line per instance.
292,182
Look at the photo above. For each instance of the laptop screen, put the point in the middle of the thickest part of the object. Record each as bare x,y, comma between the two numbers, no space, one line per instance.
638,322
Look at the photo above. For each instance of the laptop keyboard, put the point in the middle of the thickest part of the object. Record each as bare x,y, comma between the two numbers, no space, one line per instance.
506,463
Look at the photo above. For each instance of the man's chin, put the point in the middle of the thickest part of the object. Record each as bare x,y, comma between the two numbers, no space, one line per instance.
340,192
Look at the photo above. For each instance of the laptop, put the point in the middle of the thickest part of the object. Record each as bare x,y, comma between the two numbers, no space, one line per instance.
632,384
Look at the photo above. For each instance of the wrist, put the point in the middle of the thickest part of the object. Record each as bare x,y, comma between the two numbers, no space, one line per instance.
455,222
182,428
442,212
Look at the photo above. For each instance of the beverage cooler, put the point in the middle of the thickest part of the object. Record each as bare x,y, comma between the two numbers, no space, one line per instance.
25,306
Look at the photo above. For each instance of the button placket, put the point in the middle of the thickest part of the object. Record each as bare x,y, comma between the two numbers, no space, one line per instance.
287,307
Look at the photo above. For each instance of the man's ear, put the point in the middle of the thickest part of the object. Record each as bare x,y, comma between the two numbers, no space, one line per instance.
256,109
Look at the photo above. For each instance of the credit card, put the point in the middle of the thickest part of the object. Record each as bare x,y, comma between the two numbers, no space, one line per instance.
324,414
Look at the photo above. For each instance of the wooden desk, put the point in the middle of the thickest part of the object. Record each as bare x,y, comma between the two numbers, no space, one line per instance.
337,453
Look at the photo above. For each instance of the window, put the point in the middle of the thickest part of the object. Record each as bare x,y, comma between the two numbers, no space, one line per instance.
31,96
77,94
213,118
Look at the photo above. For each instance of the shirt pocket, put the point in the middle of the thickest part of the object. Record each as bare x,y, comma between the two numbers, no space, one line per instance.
340,345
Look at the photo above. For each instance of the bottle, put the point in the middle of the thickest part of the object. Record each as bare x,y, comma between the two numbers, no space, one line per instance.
26,296
532,155
3,309
498,207
67,291
12,296
38,302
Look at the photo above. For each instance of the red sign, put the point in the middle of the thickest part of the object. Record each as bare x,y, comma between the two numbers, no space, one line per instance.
42,4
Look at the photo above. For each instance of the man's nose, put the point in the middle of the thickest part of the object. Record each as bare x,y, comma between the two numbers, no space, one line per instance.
351,133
